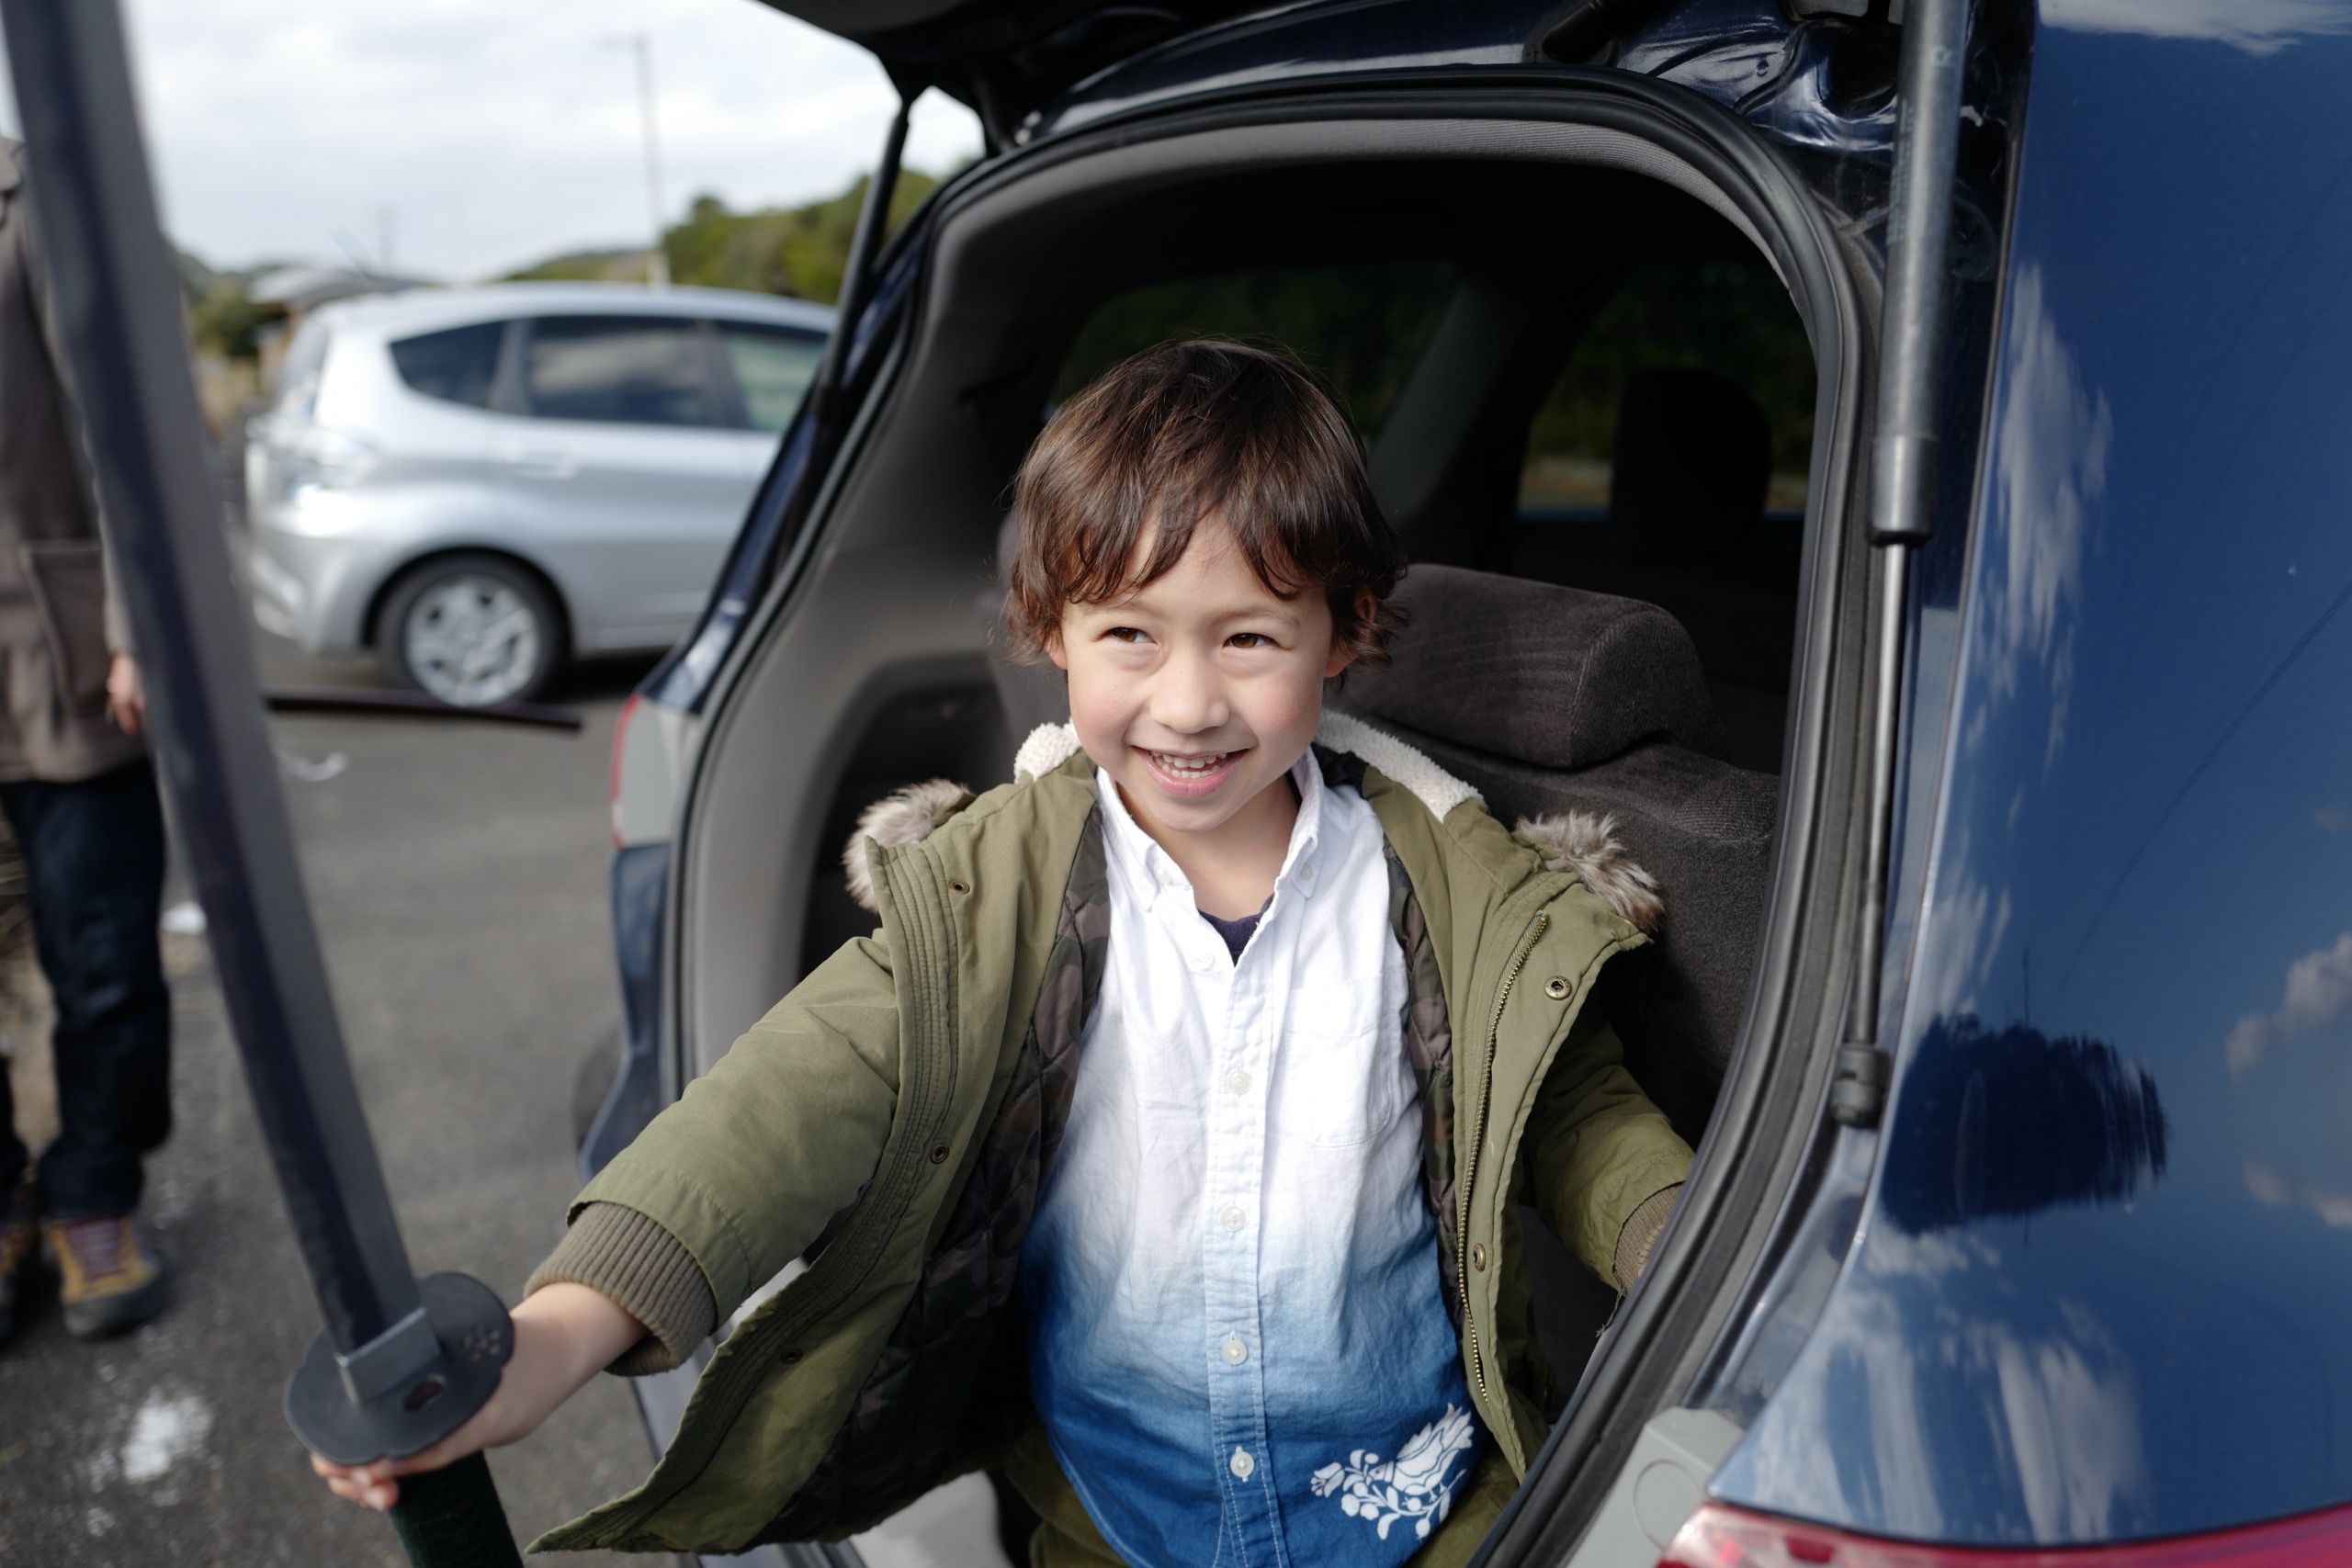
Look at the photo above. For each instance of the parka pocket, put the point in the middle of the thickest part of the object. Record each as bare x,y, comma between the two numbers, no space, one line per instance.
69,587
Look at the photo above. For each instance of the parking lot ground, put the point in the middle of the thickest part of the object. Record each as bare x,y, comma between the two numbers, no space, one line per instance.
456,873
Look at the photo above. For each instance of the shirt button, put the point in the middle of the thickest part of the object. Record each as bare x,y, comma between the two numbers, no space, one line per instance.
1235,1353
1241,1464
1233,1218
1237,1081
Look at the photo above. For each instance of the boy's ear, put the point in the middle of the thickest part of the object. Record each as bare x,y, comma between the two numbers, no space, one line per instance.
1367,607
1055,651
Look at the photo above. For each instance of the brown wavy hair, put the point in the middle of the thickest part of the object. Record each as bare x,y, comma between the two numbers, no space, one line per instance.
1172,435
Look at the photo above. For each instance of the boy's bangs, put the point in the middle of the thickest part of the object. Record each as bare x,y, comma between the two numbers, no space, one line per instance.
1106,564
1240,437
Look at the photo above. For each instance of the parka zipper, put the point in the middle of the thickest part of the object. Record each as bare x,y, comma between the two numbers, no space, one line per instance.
1479,1141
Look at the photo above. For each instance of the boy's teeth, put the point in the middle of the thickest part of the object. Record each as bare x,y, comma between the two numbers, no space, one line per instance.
1188,764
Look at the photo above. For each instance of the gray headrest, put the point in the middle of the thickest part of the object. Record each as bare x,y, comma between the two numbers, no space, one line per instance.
1554,677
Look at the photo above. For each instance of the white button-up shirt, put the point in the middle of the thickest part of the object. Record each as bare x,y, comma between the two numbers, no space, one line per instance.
1239,1344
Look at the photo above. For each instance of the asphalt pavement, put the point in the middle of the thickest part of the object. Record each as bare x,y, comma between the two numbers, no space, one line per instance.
456,873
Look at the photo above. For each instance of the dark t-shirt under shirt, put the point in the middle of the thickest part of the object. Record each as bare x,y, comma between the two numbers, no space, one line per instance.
1236,933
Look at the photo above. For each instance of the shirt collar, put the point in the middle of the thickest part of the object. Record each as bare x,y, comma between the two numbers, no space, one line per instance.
1151,868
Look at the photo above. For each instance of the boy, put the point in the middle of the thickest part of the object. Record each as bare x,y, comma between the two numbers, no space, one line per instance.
1244,1289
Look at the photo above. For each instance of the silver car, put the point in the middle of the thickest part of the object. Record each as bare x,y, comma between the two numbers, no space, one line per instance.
481,484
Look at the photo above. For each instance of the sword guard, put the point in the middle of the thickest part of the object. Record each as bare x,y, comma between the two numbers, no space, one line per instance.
476,1339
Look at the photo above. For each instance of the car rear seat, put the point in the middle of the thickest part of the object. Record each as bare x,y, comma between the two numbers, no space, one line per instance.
1554,699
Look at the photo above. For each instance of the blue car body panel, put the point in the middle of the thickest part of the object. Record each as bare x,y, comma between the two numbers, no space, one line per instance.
641,876
2098,1288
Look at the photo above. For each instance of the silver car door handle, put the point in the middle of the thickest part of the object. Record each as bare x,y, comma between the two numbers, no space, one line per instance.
542,463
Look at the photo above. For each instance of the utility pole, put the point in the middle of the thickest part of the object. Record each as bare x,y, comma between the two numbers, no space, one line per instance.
658,263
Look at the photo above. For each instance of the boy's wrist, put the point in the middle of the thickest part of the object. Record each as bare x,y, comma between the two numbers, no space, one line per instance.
630,1259
587,1329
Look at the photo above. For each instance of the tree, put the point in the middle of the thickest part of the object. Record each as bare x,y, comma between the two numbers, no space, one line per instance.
797,251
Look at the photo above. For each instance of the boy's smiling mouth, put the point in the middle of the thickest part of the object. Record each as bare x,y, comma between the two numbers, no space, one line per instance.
1190,773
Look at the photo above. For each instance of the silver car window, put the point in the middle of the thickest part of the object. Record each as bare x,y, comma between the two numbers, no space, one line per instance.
459,365
618,369
772,366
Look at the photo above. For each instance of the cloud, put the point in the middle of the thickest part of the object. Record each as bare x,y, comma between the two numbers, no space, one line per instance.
2257,27
2275,1187
1968,926
2064,1399
2318,995
2073,1413
480,135
2333,817
2054,435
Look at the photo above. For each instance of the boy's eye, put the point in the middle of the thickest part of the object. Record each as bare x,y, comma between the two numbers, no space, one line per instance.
1251,639
1126,633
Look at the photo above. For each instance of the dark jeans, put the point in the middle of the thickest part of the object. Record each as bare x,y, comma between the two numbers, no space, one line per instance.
94,863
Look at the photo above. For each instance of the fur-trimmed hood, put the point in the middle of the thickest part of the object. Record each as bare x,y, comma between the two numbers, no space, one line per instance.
1579,842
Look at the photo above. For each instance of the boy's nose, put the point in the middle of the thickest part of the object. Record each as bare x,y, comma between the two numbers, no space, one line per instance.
1188,698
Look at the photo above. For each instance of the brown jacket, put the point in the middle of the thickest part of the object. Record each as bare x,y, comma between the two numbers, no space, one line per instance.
59,624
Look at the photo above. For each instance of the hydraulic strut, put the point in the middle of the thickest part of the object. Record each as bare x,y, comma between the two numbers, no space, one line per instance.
1903,477
401,1362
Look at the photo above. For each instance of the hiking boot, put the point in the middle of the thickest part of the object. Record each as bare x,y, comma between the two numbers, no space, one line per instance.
109,1276
19,1239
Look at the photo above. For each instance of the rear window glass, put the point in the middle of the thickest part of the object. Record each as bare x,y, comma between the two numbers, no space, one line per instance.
772,368
1360,327
457,365
618,369
1730,318
297,382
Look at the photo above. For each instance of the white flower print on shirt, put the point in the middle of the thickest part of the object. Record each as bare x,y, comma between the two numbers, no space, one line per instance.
1417,1484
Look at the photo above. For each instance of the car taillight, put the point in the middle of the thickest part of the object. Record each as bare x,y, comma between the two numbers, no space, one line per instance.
319,458
1720,1537
620,740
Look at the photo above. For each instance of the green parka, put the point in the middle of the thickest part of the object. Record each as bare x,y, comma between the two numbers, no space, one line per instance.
904,1100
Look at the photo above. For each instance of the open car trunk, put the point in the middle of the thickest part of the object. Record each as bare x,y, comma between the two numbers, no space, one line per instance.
1005,57
1454,252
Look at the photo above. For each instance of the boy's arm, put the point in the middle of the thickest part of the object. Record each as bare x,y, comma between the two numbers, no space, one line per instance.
724,1188
1604,1162
629,1259
561,1337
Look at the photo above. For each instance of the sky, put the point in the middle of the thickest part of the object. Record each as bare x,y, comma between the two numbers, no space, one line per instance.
469,138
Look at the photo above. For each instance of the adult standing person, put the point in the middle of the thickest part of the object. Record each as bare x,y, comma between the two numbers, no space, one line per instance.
80,792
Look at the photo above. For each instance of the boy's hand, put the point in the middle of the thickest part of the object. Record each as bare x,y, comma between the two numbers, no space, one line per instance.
564,1334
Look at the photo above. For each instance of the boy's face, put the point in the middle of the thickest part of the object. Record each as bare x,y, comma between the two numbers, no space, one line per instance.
1197,692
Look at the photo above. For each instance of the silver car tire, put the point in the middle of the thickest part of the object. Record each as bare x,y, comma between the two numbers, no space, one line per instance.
471,630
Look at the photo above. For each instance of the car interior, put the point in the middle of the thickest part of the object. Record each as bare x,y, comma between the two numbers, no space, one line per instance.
1588,402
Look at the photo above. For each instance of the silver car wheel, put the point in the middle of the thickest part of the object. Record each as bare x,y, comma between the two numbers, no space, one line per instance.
471,640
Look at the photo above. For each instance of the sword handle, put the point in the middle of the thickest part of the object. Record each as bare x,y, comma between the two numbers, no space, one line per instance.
451,1518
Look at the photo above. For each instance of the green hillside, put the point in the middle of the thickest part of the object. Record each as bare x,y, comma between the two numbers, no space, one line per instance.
797,251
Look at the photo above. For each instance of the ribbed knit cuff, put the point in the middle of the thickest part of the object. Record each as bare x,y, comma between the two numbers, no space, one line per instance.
1640,1233
628,1256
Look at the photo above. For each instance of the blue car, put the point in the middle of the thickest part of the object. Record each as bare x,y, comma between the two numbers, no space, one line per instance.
1945,456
